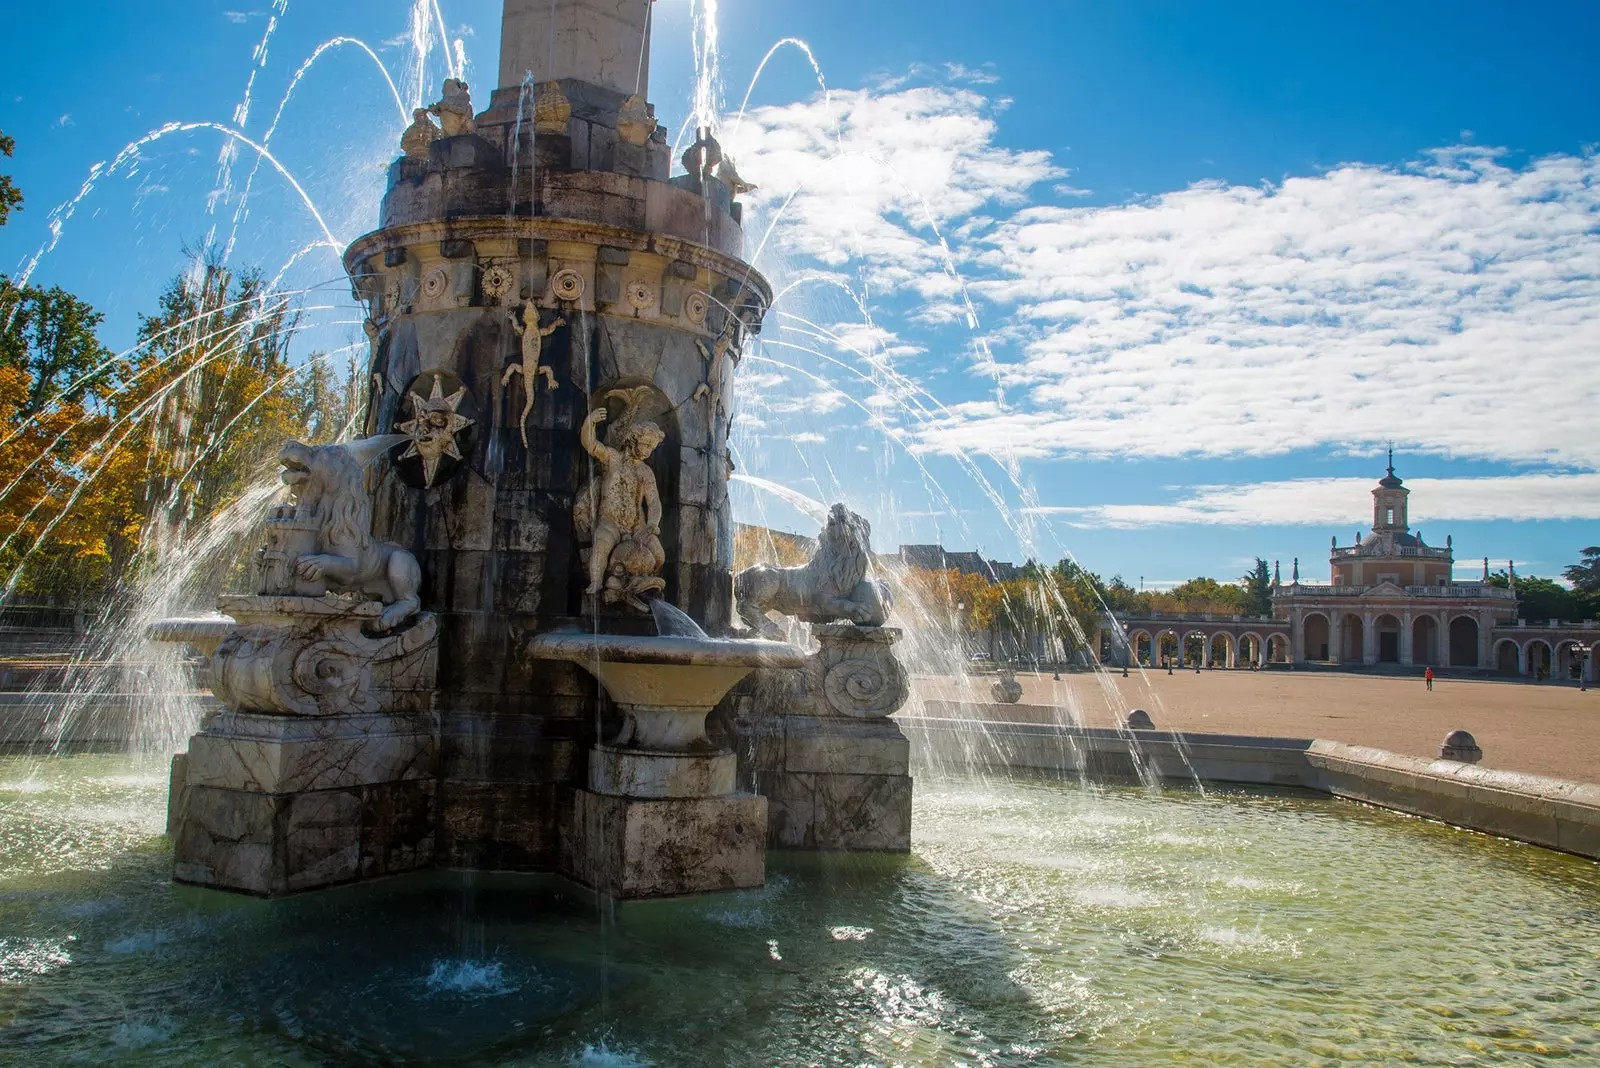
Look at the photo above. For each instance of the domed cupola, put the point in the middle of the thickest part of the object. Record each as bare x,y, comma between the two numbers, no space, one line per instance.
1389,503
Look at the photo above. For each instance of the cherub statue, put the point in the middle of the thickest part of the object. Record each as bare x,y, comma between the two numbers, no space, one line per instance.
455,110
626,506
533,336
419,135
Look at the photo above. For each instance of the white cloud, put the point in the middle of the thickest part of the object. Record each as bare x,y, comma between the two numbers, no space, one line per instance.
237,17
1451,305
65,120
1336,502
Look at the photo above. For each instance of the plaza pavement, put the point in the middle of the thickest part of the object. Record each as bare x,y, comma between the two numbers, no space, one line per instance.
1543,728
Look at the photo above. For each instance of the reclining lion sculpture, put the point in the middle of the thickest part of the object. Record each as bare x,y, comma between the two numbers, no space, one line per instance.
832,586
326,485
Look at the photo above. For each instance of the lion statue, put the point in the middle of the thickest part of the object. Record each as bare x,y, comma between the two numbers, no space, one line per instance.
326,485
832,586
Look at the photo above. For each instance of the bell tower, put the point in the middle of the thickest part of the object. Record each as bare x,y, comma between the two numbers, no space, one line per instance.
1389,503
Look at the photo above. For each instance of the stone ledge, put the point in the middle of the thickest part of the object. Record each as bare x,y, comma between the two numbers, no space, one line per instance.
1554,813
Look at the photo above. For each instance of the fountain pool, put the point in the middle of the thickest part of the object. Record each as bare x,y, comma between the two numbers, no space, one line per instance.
1035,922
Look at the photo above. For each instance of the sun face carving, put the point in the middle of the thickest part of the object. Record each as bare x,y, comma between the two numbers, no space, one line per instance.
435,421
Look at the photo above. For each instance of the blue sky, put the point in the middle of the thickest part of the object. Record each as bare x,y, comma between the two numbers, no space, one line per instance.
1154,283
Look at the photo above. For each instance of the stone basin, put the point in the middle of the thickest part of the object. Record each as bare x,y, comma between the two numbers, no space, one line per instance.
665,684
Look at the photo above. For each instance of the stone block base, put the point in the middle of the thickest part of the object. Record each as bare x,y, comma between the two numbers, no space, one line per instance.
645,774
633,849
838,813
835,784
275,805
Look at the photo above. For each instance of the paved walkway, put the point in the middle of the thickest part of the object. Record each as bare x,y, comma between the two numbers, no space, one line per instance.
1543,728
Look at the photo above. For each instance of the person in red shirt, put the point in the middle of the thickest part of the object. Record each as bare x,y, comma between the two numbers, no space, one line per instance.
1427,677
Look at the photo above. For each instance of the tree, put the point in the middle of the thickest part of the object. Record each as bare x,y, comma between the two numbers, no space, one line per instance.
1257,583
1585,575
1540,598
50,335
10,195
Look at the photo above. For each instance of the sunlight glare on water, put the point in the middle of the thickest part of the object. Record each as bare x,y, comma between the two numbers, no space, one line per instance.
1035,923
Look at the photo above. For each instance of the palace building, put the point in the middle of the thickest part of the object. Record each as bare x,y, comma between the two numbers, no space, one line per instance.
1393,600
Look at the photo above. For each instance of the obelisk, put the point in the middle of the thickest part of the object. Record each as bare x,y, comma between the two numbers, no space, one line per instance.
602,42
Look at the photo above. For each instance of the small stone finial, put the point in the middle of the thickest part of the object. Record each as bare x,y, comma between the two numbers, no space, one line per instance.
1461,746
635,124
1139,720
1391,461
421,134
1296,577
455,109
1277,573
1336,541
1486,569
551,109
1511,573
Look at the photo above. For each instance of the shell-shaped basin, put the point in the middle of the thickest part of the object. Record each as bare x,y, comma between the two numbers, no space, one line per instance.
665,672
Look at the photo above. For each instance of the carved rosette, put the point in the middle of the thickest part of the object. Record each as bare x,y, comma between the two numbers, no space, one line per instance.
312,656
855,672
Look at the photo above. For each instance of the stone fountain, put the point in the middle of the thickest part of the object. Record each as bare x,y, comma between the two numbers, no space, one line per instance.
554,324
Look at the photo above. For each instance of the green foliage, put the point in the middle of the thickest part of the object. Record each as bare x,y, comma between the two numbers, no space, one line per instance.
10,195
1541,598
1585,574
110,457
50,335
1257,584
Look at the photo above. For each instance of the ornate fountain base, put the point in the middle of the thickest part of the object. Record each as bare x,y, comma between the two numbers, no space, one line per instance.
831,763
323,768
633,848
661,817
664,823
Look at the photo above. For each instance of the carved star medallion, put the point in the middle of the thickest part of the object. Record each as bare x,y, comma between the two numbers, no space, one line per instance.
435,421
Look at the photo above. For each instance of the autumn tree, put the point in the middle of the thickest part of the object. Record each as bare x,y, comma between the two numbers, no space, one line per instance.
10,195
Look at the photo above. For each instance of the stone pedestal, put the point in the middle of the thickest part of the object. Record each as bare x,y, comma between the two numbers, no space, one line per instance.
837,784
663,824
833,767
323,767
274,804
634,848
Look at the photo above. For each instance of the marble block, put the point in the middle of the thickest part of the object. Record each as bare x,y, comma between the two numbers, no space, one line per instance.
270,754
630,849
274,805
838,813
277,844
644,774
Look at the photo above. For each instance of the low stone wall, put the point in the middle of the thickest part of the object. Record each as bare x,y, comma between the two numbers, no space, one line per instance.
1554,813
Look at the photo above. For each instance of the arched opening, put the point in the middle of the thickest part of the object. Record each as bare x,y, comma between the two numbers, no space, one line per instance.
1536,655
1388,628
1166,648
1463,642
1278,646
1352,640
1219,650
1569,660
1505,657
1194,649
1425,640
1143,646
1250,650
1315,632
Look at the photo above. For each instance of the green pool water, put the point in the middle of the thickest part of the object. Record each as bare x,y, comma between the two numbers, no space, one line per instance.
1035,923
